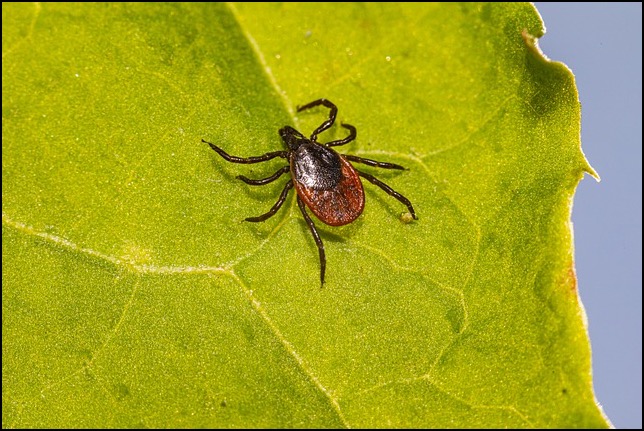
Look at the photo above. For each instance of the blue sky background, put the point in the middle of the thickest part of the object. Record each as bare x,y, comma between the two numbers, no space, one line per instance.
602,44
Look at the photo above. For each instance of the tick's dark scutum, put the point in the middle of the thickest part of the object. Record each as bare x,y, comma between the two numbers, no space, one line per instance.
316,167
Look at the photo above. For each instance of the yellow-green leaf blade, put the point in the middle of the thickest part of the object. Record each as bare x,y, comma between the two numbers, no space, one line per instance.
157,307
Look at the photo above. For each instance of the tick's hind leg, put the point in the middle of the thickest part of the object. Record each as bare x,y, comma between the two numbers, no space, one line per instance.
328,123
351,137
246,160
316,237
288,186
389,191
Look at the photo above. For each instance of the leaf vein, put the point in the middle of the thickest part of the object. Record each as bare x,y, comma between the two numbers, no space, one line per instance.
426,378
30,31
290,349
262,60
126,263
88,365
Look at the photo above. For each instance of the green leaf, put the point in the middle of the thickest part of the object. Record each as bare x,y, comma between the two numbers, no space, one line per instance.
134,295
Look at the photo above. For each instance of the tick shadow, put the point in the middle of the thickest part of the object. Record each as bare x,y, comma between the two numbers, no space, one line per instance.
385,202
333,234
260,193
323,230
374,193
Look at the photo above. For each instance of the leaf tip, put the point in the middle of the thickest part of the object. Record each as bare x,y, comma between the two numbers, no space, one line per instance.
590,171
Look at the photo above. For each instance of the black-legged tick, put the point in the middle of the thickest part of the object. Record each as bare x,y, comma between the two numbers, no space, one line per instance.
324,180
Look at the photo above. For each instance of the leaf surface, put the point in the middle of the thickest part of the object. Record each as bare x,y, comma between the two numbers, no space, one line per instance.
134,295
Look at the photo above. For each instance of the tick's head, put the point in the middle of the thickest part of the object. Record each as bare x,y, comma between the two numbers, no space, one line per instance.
292,138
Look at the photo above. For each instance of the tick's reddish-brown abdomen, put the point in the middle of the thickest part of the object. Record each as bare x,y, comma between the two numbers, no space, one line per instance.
339,205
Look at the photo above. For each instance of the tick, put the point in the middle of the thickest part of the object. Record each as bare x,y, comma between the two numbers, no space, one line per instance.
325,181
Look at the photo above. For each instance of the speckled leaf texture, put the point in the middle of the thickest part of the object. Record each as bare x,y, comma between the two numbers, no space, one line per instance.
134,294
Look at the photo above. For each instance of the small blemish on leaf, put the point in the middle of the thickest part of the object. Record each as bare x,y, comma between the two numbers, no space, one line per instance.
569,277
86,356
121,391
455,317
223,403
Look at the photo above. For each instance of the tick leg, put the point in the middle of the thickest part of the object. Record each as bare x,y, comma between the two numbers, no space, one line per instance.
375,163
351,137
266,180
316,237
328,123
389,191
257,159
288,186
